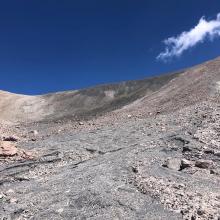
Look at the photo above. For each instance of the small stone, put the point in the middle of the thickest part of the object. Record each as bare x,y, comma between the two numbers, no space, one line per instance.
7,149
186,149
215,172
200,212
173,163
134,170
180,193
81,123
193,217
186,164
11,138
34,132
13,200
60,211
129,116
178,186
181,185
178,211
10,191
209,151
217,153
204,164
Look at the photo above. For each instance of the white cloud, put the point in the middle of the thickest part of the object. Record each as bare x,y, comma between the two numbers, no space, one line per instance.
205,29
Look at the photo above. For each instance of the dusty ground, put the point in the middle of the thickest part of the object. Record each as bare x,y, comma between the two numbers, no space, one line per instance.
119,171
156,158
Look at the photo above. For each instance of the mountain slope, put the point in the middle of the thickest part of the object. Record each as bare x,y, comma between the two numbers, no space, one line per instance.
163,93
72,104
153,152
190,87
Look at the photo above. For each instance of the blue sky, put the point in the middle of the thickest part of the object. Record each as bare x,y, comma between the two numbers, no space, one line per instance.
53,45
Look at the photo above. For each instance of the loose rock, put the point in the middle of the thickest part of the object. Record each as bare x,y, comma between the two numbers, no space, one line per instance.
186,163
11,138
7,149
204,164
173,163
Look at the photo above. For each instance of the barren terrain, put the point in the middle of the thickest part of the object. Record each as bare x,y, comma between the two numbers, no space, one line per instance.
146,149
